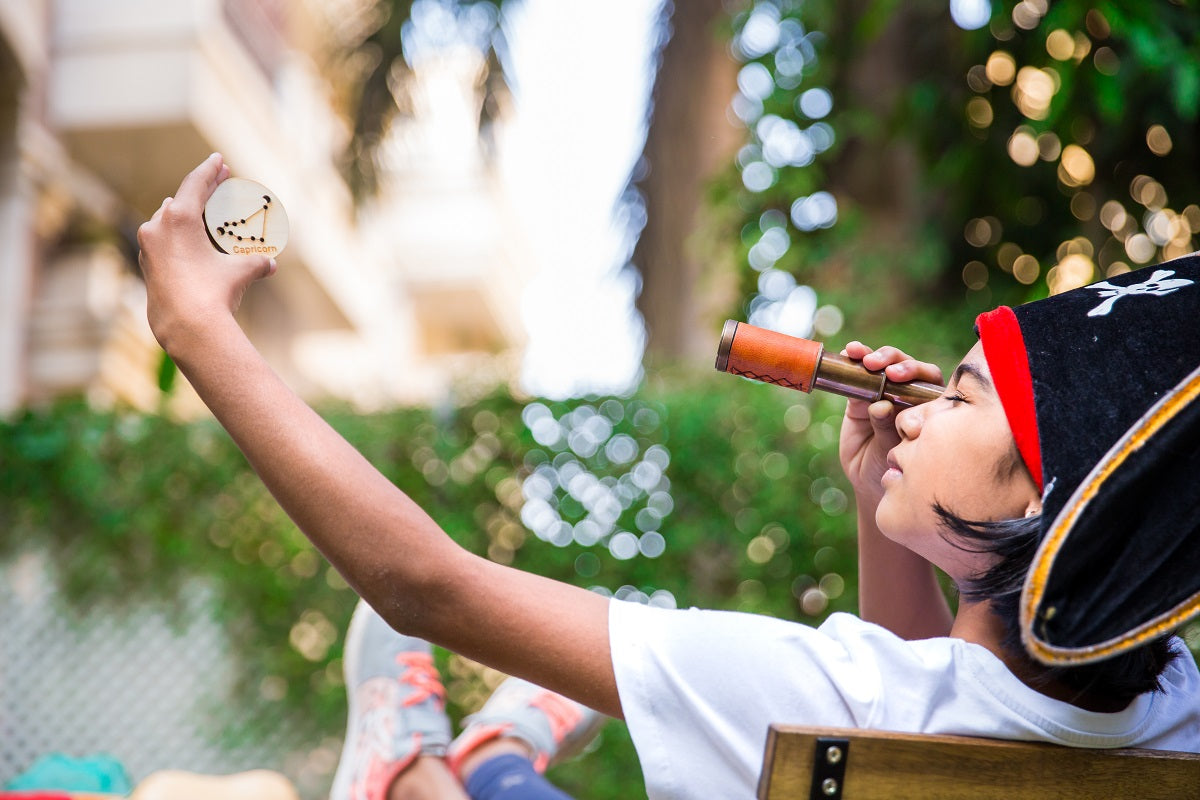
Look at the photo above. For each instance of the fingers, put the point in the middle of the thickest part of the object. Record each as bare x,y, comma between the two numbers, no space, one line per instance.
161,209
913,370
254,268
856,350
895,363
146,230
154,219
885,357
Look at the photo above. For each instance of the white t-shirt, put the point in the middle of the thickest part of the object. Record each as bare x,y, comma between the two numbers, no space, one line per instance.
699,688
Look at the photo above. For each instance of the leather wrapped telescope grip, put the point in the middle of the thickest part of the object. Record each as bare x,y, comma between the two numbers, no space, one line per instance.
768,356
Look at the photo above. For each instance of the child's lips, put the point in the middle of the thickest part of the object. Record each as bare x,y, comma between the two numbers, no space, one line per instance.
894,470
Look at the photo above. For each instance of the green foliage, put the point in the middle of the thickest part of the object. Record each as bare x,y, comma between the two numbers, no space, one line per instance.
960,184
135,508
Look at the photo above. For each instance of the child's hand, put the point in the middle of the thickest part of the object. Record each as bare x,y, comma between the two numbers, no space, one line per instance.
869,429
188,283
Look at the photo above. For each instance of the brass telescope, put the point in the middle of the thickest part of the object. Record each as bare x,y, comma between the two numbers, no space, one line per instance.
802,364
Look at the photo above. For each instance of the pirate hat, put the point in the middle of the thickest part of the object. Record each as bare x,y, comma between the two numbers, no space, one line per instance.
1100,387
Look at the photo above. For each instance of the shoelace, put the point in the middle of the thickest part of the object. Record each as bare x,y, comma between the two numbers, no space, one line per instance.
422,676
562,714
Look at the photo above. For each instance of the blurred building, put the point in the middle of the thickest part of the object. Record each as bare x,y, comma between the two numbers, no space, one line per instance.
105,106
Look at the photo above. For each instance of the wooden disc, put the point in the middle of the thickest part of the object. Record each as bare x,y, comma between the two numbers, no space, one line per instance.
244,217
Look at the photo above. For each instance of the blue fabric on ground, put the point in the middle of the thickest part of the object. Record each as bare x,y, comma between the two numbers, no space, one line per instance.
511,777
98,773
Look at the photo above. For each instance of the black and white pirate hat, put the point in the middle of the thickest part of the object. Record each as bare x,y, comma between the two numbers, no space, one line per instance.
1101,385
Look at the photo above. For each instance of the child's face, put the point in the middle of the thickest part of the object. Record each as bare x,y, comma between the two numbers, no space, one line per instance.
957,451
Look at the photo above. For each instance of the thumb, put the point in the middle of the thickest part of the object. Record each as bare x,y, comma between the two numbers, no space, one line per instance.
883,420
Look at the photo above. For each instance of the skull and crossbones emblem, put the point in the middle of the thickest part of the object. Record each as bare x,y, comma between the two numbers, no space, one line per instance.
1159,283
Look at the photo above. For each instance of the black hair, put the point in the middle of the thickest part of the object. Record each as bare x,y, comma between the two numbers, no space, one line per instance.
1014,542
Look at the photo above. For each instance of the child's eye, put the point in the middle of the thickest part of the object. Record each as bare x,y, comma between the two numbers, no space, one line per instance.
954,395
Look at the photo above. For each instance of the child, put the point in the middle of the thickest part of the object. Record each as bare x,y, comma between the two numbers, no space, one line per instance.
966,483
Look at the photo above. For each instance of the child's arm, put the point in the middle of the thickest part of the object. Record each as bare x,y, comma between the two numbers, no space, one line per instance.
898,589
393,554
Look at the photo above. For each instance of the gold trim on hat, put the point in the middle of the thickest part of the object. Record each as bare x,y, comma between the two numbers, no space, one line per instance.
1186,392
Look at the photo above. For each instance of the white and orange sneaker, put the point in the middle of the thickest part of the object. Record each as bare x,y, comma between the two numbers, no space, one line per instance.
397,707
554,727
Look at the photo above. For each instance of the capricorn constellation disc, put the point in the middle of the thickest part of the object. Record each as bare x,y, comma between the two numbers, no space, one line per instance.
245,218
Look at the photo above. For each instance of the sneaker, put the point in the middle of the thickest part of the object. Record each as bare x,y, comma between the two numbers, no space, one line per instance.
554,727
397,707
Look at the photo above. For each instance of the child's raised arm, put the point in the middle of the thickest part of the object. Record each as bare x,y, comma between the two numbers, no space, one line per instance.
897,588
393,554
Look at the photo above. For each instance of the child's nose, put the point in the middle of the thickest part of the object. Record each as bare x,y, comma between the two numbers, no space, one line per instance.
909,421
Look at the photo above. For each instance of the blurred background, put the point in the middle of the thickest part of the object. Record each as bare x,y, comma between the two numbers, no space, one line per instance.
516,230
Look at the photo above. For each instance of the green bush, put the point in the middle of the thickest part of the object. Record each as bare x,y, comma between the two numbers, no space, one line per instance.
751,509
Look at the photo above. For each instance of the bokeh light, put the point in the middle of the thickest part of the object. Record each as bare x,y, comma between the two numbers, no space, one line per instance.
1033,90
828,321
1140,248
1071,272
758,176
982,231
1106,61
783,143
817,210
1113,216
1049,146
791,314
1028,13
1096,24
977,79
754,81
1025,268
1006,255
970,15
979,112
815,103
1148,192
1158,140
1023,147
1083,206
975,275
1060,45
770,247
1077,167
760,33
1001,68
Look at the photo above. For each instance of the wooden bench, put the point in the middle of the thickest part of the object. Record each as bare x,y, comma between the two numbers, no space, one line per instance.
850,764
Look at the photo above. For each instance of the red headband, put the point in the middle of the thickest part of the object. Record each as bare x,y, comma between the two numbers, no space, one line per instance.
1004,349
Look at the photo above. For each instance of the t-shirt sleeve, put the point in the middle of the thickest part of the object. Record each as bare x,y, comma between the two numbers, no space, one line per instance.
699,688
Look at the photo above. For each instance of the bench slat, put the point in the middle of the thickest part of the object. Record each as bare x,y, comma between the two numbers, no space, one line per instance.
881,765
